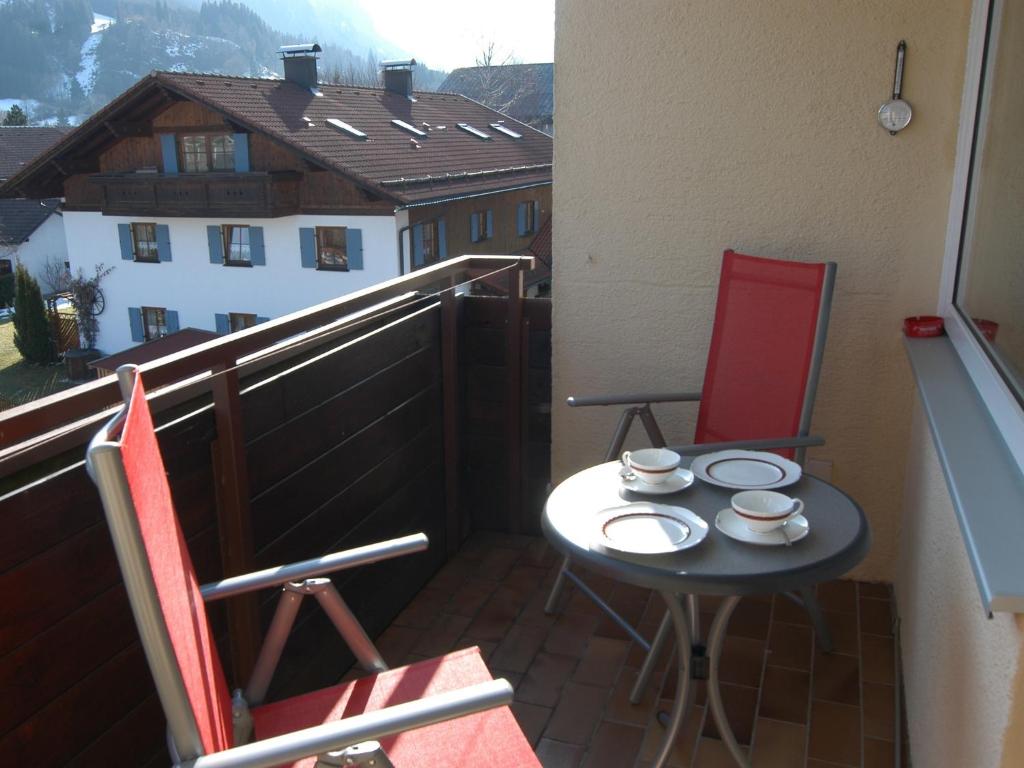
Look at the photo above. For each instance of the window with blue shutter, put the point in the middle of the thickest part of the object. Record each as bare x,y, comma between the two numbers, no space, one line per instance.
241,152
124,235
257,251
474,227
135,322
354,247
216,243
417,245
171,316
163,242
521,219
442,242
536,217
307,247
169,150
490,224
221,323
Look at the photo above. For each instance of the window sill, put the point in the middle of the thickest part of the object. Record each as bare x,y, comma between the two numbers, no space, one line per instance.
237,264
328,268
985,483
146,261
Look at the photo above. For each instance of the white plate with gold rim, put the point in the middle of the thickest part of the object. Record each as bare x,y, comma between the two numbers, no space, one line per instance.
646,528
746,470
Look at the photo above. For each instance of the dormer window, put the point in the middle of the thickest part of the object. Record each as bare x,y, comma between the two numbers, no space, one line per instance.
203,152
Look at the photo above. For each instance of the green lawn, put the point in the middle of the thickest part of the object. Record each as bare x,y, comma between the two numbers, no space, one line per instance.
21,382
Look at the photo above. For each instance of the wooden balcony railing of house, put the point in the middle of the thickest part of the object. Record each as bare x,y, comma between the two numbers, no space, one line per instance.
400,408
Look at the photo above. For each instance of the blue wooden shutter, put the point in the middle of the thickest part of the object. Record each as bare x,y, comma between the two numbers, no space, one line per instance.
124,234
490,224
135,321
171,317
216,242
241,152
417,245
521,219
536,215
354,247
257,252
307,247
163,242
223,325
262,320
170,152
442,243
474,228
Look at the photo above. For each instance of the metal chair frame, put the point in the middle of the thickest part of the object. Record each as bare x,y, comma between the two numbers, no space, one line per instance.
639,406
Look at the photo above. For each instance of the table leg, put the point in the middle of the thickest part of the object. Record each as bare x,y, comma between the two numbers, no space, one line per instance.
716,637
675,720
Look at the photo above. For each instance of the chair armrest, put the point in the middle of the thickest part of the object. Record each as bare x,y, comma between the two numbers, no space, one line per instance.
633,398
765,444
317,566
330,737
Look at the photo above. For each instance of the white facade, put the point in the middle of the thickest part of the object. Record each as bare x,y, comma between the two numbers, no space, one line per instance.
198,290
47,243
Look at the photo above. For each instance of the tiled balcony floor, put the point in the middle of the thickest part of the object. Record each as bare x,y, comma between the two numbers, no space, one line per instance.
572,671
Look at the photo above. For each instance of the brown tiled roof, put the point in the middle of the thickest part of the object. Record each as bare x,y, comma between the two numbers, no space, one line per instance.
20,218
152,350
20,144
391,162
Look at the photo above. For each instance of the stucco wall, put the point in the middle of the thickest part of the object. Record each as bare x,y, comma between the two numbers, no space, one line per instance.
197,289
46,243
686,128
964,691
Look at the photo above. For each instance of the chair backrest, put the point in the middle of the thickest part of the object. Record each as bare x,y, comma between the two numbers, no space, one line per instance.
125,463
766,347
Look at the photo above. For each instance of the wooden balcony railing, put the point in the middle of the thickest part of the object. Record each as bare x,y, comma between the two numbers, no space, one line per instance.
200,194
384,412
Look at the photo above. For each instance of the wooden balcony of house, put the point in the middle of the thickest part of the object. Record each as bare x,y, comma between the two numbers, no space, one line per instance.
253,194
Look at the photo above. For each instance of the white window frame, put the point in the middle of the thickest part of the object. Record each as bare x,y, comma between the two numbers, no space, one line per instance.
1001,402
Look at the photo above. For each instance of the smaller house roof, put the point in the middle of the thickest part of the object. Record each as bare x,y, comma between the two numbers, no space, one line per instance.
525,92
20,218
153,350
19,144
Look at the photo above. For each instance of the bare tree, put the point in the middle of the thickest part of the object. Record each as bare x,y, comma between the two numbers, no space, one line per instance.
495,83
56,275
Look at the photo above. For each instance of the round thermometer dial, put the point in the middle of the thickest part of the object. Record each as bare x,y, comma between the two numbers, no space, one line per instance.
894,115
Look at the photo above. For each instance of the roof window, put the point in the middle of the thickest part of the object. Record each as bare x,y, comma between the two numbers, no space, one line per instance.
507,131
344,127
407,127
475,131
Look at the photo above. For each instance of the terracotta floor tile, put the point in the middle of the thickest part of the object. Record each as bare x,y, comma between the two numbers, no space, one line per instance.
577,714
785,695
879,754
396,642
495,619
601,662
469,598
836,678
877,589
533,614
682,750
517,649
791,613
558,754
740,707
614,745
835,733
878,659
750,619
839,595
778,744
742,661
539,552
452,575
531,719
789,645
621,710
843,629
582,604
544,679
497,563
711,753
875,617
423,610
442,635
515,679
570,634
879,711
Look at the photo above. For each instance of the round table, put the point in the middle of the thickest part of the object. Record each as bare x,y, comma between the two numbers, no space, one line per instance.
838,539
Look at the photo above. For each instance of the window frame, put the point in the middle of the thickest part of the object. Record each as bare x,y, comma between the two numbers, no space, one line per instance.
998,396
225,235
530,222
481,225
145,322
248,320
320,264
434,256
6,266
155,250
208,139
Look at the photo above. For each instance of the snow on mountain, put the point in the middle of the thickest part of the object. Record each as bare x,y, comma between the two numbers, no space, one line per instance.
86,75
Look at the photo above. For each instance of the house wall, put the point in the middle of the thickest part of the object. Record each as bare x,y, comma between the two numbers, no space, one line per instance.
46,242
198,290
751,126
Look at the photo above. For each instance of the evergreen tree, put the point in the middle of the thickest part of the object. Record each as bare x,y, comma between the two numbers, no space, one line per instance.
16,116
31,327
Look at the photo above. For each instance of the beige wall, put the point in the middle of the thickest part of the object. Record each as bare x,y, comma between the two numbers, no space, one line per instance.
688,127
963,686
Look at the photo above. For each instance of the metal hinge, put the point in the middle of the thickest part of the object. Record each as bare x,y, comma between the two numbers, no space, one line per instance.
368,753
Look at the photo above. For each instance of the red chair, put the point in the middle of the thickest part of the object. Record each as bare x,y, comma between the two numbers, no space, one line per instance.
443,712
767,343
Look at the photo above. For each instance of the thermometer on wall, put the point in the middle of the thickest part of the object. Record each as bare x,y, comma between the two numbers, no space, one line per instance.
895,114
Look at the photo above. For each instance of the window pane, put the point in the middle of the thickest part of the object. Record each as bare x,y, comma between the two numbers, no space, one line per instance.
144,236
237,243
430,242
223,153
193,154
6,267
331,247
155,320
990,281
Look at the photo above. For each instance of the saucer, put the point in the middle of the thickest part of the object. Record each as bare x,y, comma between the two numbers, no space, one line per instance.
646,528
746,470
677,481
732,525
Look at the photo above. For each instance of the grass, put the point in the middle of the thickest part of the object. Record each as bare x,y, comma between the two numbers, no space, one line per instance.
21,382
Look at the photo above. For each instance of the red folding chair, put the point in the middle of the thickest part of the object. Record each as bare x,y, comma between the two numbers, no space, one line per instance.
443,712
767,343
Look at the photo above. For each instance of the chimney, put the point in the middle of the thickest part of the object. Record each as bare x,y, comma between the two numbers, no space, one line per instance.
398,76
300,63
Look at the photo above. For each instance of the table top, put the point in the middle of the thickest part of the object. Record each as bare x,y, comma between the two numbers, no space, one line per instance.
838,538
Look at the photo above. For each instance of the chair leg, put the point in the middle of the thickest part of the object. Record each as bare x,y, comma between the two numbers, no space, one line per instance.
657,644
556,588
817,618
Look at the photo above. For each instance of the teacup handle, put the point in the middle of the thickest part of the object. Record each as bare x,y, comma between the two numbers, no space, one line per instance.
798,508
625,459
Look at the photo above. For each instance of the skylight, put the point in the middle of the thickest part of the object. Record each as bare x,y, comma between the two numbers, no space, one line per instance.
344,127
506,131
410,128
475,131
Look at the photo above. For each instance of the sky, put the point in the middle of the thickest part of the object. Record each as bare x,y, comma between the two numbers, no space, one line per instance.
452,33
